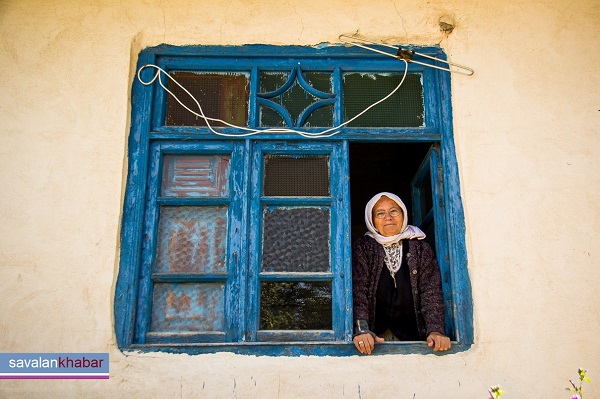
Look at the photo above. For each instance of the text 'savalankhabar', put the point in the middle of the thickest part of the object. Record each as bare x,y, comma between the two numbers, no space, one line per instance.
54,365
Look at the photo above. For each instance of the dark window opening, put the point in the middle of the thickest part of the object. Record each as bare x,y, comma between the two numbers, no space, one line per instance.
377,167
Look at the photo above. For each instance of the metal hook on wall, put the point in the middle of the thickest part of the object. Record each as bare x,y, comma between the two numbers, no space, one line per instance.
407,55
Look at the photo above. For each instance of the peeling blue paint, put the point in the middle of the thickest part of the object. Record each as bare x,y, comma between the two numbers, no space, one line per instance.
141,318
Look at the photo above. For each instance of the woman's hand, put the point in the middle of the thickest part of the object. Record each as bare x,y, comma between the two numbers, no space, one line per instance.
438,341
365,343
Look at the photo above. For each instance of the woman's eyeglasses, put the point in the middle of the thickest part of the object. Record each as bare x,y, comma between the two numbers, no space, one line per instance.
393,213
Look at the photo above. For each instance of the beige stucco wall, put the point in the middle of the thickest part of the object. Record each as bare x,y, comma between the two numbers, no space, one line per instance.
527,131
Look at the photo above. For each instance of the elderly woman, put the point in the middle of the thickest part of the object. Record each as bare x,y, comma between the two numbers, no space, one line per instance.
396,281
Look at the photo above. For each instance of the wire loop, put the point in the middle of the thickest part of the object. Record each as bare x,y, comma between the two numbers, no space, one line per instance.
246,131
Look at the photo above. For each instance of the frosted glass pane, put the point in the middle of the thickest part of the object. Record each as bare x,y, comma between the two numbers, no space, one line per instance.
192,240
296,176
195,176
295,240
222,96
188,307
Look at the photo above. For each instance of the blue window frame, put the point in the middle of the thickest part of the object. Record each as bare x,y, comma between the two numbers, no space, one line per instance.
241,242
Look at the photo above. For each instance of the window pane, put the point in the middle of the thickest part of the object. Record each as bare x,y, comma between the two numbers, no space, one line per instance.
427,193
321,117
270,117
430,235
271,81
295,306
188,307
191,240
221,95
287,176
295,240
295,99
319,80
403,109
195,176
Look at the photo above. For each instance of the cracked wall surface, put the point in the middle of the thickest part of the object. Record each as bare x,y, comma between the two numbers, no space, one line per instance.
527,136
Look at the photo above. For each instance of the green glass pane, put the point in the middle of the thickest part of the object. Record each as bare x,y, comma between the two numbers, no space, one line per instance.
270,117
321,117
403,109
271,81
295,99
319,80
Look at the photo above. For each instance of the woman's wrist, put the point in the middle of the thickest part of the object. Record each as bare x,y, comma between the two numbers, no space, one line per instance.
362,327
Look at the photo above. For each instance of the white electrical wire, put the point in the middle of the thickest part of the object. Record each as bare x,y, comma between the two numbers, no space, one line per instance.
250,131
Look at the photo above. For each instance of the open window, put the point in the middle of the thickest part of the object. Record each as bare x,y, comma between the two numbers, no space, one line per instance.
413,172
239,239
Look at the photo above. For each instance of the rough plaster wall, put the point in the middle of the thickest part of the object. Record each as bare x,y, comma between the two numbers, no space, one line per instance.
527,137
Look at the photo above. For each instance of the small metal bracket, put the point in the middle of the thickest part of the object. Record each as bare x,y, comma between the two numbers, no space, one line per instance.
407,55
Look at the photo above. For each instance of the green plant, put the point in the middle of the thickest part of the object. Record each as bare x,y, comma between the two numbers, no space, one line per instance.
579,389
495,391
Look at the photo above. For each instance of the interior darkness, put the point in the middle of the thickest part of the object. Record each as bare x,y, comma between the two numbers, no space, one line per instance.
377,167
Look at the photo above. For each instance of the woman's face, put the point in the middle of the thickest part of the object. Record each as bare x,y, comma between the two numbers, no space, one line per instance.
388,225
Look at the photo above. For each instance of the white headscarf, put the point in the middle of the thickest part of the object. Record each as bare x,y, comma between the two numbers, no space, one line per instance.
406,232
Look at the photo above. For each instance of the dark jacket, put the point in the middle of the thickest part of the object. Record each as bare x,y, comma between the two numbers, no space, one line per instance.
368,259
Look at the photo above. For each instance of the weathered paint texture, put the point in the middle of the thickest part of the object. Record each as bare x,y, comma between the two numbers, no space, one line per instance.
527,136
